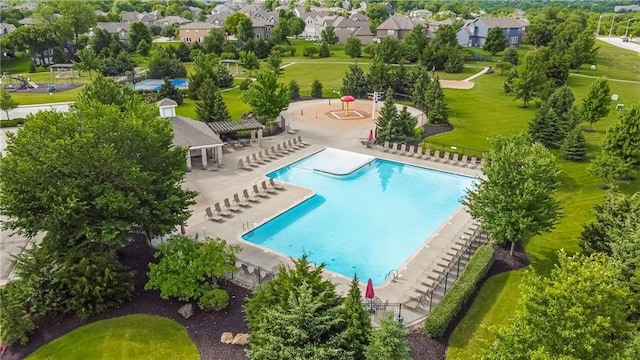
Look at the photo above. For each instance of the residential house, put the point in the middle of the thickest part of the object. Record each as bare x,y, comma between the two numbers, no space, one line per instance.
170,20
195,31
421,13
261,27
27,21
474,32
195,11
359,17
100,13
119,28
6,28
27,5
346,28
397,26
132,16
627,8
221,9
217,19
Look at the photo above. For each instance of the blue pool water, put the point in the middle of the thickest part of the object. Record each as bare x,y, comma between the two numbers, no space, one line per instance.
181,84
367,222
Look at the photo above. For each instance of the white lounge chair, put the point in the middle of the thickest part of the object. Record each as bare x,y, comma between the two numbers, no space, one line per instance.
303,143
254,158
411,151
221,212
455,159
465,161
211,216
394,148
249,198
403,149
230,207
263,157
259,193
275,185
240,202
241,165
267,189
251,163
436,155
446,157
278,152
270,155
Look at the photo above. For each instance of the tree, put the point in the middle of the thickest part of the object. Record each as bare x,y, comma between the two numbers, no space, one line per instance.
538,34
387,118
353,47
609,167
388,51
249,61
210,105
574,146
582,50
214,42
415,42
496,41
164,63
595,105
267,98
324,51
275,63
79,16
511,56
167,90
316,89
187,269
420,85
88,61
354,82
143,48
445,36
15,323
402,80
610,218
516,201
310,51
357,322
545,127
270,5
388,342
236,24
84,182
623,138
107,91
529,78
138,31
6,102
560,316
170,31
377,13
437,111
407,122
328,36
294,89
379,77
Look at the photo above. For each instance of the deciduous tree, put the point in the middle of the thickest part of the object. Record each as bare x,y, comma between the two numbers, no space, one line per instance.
164,63
623,138
511,56
353,47
516,201
596,104
107,91
496,41
266,96
249,61
609,168
138,31
79,16
6,102
529,79
328,35
388,342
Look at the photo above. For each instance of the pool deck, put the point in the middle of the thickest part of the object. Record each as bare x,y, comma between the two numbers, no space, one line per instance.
215,185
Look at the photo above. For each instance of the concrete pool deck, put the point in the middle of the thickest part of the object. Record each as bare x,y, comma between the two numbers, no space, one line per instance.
218,184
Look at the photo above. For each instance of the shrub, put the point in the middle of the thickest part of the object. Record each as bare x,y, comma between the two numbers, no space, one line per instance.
324,51
294,88
214,300
15,322
310,51
316,89
244,85
11,123
438,320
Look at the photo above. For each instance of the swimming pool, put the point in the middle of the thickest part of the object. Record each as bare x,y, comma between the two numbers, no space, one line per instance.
367,222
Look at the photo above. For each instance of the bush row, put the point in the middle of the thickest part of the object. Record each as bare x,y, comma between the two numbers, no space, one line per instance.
11,123
438,320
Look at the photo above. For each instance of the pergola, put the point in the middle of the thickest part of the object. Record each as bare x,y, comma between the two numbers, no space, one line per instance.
231,61
228,127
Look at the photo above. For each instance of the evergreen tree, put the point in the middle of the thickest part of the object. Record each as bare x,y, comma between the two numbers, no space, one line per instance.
379,77
544,128
143,48
388,342
407,122
387,118
401,83
294,88
210,106
511,56
574,146
316,89
357,321
353,47
623,138
496,41
324,51
561,100
595,105
167,90
421,81
354,82
437,111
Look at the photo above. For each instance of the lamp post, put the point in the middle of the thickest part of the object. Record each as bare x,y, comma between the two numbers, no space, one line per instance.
626,31
599,20
611,29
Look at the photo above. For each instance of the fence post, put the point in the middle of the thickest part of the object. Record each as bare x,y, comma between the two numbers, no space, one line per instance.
458,271
446,280
430,300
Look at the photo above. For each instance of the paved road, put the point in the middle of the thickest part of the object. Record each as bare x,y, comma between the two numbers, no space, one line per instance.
23,111
616,41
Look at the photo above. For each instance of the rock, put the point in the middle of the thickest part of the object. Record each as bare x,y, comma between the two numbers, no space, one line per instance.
240,339
226,338
186,310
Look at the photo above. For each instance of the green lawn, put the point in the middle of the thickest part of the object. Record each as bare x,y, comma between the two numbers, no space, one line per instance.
43,98
614,64
128,337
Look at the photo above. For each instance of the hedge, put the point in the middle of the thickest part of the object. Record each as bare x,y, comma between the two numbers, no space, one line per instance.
439,318
11,123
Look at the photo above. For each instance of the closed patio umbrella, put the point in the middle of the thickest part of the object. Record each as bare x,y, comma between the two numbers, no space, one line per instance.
369,293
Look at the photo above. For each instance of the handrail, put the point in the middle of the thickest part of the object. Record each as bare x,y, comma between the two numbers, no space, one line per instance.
392,271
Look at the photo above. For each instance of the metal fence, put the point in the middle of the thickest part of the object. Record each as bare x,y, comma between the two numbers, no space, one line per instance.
249,275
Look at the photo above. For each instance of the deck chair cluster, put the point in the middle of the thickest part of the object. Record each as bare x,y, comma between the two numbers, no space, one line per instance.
229,208
251,274
274,153
418,152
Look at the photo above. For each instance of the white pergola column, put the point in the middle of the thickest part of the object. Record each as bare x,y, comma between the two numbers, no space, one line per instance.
259,137
188,160
253,136
205,161
219,155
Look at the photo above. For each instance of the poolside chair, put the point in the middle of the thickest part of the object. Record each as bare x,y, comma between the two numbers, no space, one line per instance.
254,158
446,157
248,197
427,153
270,155
275,185
289,129
275,152
267,189
411,151
263,157
385,147
233,208
241,165
473,163
436,155
286,149
465,161
211,216
297,144
241,203
291,144
395,148
219,210
251,163
456,159
259,193
303,143
403,149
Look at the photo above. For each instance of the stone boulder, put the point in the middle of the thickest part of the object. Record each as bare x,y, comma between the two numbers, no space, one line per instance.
240,339
186,310
226,338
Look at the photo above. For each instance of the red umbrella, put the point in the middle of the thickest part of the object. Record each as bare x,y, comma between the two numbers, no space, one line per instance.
370,134
370,294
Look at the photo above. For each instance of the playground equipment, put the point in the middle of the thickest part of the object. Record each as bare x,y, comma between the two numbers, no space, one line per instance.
346,100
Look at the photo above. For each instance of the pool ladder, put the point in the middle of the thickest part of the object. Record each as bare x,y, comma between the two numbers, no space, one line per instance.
393,274
246,226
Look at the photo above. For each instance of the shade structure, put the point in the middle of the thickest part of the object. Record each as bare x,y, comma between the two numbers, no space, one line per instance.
347,98
369,293
371,135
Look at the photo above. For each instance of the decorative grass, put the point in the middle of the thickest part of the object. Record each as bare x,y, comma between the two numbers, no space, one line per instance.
129,337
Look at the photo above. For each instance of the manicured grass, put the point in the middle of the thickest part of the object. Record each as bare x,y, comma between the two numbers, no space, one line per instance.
614,63
231,98
487,111
128,337
43,98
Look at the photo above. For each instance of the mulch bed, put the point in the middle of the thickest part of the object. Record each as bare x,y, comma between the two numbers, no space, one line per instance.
205,329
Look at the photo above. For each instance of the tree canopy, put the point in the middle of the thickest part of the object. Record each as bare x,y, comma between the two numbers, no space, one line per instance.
266,96
496,41
596,104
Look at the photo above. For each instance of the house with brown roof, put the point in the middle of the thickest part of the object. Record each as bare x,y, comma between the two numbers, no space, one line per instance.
170,20
346,28
474,32
195,31
120,28
397,26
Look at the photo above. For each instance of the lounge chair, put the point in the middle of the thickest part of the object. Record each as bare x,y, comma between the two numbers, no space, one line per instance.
230,207
267,189
259,193
254,158
263,157
395,148
436,155
464,161
249,198
456,159
289,129
239,202
426,153
275,152
219,210
403,149
251,163
276,185
284,148
411,151
385,147
270,155
474,162
303,143
446,157
292,145
211,216
241,165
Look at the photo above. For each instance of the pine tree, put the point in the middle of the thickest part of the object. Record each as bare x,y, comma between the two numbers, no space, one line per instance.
407,122
437,110
511,56
574,146
316,89
379,77
357,321
387,117
401,83
421,81
544,128
354,82
211,106
167,90
294,88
